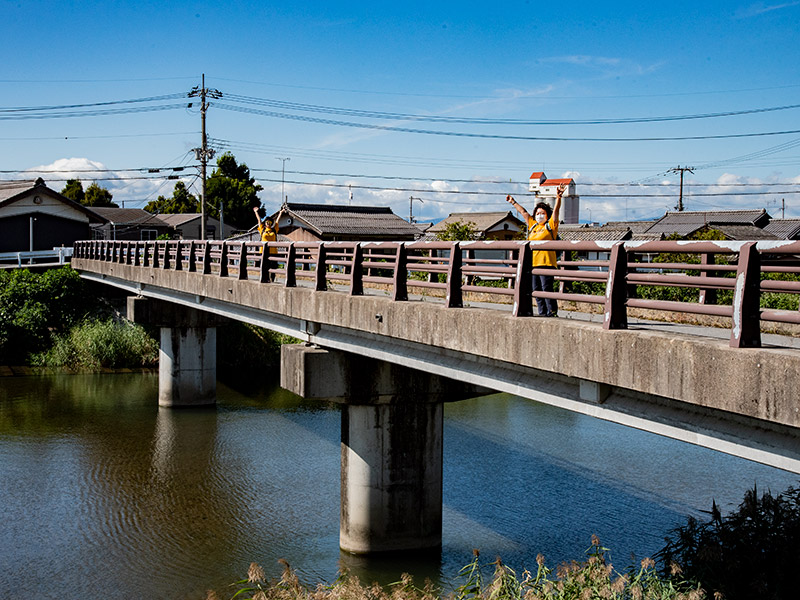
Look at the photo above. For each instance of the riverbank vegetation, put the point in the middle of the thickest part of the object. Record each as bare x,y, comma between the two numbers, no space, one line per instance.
592,578
55,319
750,553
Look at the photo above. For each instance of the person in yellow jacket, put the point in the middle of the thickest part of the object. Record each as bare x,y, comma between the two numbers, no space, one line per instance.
543,225
267,228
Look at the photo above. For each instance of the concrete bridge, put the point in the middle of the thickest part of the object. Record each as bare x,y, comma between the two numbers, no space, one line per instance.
387,331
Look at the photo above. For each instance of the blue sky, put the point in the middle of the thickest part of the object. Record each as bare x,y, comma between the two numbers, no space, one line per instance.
525,61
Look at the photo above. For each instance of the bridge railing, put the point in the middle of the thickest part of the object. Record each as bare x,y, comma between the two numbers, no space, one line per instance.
729,277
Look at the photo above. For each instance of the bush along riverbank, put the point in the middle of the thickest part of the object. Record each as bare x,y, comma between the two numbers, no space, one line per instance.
747,555
55,319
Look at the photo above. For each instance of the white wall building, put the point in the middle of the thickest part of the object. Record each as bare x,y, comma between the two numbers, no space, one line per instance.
545,190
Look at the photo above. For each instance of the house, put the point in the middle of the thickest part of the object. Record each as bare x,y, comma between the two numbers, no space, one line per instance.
187,226
734,224
303,222
35,217
545,189
489,225
129,224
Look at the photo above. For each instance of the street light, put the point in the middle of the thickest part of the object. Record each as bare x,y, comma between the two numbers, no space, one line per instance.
283,171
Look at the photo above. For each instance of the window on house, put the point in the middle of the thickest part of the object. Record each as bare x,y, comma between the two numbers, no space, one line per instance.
148,234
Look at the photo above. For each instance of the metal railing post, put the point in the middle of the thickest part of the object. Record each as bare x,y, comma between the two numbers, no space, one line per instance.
242,261
400,283
291,266
454,298
357,272
192,257
166,264
523,283
223,260
320,281
746,330
615,312
206,257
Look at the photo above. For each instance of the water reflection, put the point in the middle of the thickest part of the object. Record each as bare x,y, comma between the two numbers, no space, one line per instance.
109,495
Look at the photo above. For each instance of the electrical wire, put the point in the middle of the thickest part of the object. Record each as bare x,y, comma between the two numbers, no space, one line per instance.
464,134
371,114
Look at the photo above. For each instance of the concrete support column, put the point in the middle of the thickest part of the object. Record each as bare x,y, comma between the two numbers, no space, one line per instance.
391,477
187,366
391,468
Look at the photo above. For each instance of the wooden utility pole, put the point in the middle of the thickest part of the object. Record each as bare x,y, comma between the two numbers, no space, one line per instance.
680,169
203,153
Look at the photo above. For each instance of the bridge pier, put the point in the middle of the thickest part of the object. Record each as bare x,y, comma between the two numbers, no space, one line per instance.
187,365
391,469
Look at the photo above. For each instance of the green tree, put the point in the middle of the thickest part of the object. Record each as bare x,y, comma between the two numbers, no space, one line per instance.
181,202
98,197
74,190
232,186
458,231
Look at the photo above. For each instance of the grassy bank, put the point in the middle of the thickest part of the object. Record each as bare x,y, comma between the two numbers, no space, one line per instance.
55,319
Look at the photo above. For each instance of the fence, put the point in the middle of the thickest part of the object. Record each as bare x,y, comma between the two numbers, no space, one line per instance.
458,267
59,256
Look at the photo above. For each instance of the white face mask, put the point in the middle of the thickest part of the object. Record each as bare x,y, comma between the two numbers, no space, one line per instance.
541,218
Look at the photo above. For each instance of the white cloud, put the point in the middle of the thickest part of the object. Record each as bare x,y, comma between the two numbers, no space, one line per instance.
759,8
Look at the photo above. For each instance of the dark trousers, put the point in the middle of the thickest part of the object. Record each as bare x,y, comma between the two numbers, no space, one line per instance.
544,283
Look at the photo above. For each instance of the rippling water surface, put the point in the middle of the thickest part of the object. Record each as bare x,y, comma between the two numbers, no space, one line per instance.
103,494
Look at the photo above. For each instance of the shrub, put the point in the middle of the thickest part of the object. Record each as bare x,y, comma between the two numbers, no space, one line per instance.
102,344
751,553
34,307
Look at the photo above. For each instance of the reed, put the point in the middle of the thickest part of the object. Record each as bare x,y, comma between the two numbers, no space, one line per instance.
593,578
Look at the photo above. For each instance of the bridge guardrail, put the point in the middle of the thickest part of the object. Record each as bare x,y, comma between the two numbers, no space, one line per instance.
738,270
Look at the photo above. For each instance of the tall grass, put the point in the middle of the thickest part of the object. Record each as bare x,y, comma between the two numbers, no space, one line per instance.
101,344
591,579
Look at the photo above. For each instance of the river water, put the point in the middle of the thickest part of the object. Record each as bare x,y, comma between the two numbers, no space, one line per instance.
103,494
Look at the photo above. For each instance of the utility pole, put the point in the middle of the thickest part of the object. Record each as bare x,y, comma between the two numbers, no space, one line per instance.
283,173
411,208
203,153
681,170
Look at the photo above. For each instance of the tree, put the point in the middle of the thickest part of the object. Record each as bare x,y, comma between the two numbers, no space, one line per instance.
97,196
181,202
232,186
74,190
458,231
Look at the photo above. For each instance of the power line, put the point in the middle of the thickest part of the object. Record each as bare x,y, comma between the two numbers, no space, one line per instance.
372,114
464,134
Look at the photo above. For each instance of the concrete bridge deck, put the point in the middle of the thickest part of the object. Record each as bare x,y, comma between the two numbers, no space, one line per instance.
661,378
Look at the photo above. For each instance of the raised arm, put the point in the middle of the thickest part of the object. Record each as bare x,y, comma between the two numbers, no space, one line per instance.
519,207
557,208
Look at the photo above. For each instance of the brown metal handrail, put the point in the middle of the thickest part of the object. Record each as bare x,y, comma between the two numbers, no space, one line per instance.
458,267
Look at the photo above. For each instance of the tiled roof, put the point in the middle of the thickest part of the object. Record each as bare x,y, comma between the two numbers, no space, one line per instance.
537,175
785,229
483,221
557,182
634,226
687,222
363,221
593,234
9,189
130,216
178,219
745,232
